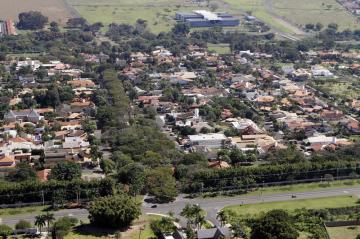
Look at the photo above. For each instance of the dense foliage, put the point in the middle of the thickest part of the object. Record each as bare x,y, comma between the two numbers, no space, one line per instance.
114,211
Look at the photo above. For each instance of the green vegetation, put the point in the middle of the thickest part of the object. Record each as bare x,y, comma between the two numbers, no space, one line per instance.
319,203
159,14
297,12
219,48
22,210
114,211
349,232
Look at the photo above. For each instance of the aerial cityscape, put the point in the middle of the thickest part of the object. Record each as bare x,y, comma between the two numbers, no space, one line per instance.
170,119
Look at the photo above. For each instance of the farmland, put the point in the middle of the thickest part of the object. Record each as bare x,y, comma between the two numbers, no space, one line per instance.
56,10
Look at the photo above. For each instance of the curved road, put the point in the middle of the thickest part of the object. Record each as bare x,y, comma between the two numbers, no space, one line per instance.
210,205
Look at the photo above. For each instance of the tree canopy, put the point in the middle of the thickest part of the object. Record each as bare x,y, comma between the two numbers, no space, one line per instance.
114,211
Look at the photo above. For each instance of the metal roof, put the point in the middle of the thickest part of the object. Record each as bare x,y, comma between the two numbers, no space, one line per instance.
210,16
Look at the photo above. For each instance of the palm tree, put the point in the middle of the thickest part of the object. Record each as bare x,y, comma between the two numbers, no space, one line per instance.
40,221
49,218
221,216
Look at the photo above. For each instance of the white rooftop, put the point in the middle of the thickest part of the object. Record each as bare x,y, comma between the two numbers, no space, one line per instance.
205,137
208,15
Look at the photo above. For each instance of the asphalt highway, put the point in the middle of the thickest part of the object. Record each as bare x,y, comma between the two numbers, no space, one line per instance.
210,205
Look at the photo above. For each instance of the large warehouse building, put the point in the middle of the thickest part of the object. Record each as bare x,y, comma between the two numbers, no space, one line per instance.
203,18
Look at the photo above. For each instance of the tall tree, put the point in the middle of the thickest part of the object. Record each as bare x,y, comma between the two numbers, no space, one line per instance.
114,211
276,224
66,170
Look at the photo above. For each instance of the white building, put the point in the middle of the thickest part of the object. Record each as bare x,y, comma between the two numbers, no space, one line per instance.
208,140
319,71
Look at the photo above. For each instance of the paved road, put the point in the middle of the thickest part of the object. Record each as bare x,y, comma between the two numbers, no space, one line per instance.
213,205
210,205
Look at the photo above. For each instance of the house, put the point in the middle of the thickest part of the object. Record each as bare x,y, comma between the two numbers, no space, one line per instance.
218,164
23,115
214,233
77,83
320,71
74,142
215,140
6,161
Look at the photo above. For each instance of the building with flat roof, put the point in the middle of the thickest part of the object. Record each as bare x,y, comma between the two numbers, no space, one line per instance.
203,18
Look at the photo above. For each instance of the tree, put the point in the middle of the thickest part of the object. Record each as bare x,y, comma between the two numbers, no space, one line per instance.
40,221
107,165
276,224
162,184
114,211
5,231
66,171
32,20
222,217
23,172
62,227
22,224
54,27
163,225
194,214
133,174
49,218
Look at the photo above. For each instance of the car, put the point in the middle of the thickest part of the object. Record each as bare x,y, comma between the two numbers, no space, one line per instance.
154,206
293,196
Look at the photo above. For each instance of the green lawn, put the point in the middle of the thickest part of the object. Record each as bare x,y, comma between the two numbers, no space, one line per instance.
159,14
303,187
318,203
23,210
343,232
74,235
219,48
277,12
313,11
89,232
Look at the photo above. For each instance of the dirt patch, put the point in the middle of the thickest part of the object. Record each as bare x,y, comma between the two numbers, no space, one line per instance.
56,10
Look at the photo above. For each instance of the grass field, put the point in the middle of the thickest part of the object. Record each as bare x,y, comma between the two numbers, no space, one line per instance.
219,48
318,203
343,232
278,13
313,11
159,13
56,10
22,210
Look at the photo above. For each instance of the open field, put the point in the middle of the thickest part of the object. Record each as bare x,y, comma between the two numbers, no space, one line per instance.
284,15
56,10
313,11
23,210
297,188
350,232
159,13
219,48
319,203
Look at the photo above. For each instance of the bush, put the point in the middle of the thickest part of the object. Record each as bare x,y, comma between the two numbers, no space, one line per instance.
22,224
